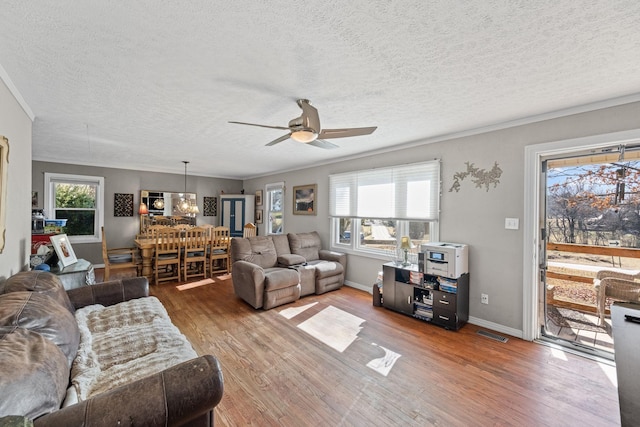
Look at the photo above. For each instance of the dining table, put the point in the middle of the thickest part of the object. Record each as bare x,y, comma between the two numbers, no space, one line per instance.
147,246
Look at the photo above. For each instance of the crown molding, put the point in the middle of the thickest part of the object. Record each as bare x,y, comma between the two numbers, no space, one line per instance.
4,76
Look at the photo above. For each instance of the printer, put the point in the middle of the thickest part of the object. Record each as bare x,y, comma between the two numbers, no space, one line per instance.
444,259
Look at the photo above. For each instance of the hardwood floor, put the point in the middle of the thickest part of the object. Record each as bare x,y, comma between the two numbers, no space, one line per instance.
276,374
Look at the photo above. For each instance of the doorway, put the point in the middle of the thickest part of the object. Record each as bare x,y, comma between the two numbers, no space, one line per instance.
562,242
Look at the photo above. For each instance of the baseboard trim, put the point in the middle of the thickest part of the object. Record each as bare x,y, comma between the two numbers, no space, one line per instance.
495,327
359,286
473,320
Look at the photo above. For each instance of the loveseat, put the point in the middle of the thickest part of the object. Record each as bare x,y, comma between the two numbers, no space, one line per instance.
268,271
98,355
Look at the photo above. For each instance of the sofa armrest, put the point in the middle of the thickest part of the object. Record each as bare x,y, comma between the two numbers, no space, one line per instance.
177,396
109,293
334,256
248,282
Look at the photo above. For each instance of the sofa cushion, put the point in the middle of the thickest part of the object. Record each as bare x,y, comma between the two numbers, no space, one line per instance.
290,259
257,250
327,269
305,244
279,278
39,281
33,373
42,314
281,243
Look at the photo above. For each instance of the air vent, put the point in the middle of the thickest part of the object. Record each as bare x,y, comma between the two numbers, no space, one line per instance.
493,336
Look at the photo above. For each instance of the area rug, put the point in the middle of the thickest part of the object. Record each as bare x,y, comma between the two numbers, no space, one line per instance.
567,318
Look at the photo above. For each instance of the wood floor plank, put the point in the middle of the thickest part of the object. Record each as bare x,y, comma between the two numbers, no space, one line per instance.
276,374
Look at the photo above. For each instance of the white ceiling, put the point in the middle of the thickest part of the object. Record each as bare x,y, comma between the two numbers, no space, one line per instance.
146,84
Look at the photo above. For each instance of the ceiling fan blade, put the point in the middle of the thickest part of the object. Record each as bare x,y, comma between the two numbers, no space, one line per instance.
323,144
282,138
262,126
344,133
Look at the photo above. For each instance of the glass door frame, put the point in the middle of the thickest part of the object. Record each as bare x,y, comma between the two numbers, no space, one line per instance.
533,264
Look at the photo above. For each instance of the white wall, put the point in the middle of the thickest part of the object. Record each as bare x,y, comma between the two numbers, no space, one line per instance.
15,125
472,215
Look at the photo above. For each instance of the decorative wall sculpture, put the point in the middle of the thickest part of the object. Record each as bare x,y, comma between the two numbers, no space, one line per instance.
210,207
480,177
122,204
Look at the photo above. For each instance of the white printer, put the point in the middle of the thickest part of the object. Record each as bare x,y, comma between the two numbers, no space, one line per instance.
444,259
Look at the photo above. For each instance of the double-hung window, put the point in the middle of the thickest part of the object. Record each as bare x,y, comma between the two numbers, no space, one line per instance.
372,209
80,200
275,208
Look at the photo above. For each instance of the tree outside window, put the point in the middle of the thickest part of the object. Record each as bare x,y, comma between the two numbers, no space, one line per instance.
79,200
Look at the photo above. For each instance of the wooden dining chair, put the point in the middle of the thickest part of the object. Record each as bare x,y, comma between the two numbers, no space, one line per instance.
218,255
249,230
119,258
194,253
151,230
182,227
162,220
167,256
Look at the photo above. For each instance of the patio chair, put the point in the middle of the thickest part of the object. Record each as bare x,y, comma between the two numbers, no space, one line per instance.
617,286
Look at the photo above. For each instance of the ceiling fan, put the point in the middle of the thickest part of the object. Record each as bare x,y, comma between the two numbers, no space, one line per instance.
306,128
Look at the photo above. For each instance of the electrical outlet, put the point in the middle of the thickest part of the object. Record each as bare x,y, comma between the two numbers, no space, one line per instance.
484,298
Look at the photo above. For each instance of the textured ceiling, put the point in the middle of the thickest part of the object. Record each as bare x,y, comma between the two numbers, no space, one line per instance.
146,84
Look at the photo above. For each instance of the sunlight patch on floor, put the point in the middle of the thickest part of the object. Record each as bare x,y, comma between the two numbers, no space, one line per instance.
559,354
384,364
291,312
195,284
334,327
610,372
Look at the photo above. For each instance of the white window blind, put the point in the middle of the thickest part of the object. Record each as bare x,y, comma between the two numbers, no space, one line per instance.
403,192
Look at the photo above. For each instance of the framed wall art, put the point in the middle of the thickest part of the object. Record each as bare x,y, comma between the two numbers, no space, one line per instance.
259,198
63,249
210,206
122,204
258,216
304,199
4,174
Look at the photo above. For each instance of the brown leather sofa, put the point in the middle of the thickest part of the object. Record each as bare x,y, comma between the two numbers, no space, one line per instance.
39,340
269,271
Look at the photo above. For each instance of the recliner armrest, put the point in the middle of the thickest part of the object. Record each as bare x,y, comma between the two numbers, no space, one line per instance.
109,293
340,257
177,396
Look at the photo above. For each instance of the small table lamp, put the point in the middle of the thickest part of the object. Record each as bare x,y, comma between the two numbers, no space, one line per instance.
405,245
142,210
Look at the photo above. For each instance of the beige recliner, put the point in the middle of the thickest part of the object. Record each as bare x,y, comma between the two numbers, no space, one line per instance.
273,270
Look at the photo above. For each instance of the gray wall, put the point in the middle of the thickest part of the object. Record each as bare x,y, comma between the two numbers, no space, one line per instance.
472,215
15,125
121,231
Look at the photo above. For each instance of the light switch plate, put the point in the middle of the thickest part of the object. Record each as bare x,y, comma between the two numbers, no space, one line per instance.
511,223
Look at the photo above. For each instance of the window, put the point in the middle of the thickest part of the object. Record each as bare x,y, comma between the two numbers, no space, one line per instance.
372,209
80,200
275,208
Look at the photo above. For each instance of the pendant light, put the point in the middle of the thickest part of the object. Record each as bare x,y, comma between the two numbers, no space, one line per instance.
185,205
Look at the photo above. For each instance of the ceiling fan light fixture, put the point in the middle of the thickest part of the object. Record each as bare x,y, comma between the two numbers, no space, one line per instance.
304,135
